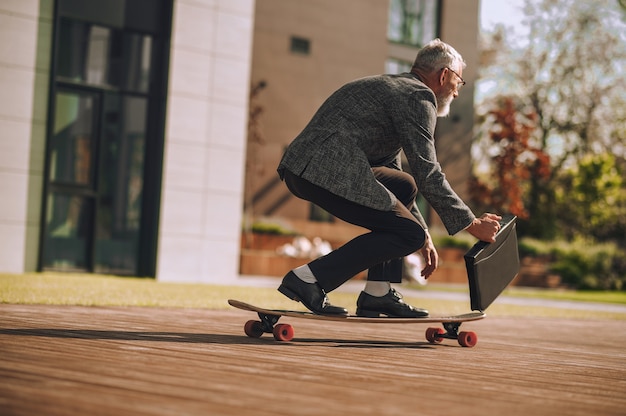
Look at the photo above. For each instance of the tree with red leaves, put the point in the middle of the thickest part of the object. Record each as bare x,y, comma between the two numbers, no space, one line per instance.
511,157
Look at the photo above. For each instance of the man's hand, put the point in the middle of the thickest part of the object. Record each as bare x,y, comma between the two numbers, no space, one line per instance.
430,255
485,228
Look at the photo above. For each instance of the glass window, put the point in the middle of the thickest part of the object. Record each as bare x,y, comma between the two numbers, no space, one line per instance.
72,142
413,22
68,222
101,56
300,46
396,66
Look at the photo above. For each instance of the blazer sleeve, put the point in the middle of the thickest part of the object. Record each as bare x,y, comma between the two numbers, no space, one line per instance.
418,121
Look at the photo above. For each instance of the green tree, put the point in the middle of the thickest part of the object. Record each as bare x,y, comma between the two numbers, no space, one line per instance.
592,199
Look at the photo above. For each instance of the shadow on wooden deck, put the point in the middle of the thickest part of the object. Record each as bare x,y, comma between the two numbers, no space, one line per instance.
58,360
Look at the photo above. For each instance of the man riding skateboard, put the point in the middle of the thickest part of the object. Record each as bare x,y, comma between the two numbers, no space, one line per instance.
347,161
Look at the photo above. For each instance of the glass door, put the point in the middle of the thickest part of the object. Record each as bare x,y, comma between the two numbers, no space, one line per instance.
104,138
71,170
120,187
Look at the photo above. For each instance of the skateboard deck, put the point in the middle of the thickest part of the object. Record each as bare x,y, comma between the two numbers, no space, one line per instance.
284,332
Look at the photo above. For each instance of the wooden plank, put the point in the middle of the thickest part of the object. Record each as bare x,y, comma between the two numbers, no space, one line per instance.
149,361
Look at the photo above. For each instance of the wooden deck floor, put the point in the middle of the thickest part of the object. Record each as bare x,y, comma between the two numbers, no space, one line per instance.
144,361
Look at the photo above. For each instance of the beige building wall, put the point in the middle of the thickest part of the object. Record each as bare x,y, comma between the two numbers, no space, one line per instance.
205,141
25,33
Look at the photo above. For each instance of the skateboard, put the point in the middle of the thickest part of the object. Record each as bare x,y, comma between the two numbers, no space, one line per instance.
285,332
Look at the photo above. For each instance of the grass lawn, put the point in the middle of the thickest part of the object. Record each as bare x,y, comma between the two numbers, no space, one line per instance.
99,290
548,294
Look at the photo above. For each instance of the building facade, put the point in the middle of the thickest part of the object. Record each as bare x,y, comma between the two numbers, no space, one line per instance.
124,124
122,138
303,51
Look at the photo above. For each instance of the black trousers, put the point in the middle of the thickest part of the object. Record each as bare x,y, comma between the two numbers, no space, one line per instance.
393,234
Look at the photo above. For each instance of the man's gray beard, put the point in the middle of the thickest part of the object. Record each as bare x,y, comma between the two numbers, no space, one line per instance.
443,105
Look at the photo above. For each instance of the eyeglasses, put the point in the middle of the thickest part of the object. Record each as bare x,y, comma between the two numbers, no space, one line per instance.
460,84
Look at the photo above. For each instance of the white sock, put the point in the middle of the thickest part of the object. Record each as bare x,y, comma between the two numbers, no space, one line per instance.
305,274
376,288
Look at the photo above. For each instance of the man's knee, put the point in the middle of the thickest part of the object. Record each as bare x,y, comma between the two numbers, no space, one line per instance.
401,184
413,237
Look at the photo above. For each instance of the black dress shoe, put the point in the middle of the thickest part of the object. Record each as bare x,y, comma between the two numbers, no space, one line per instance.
310,294
390,305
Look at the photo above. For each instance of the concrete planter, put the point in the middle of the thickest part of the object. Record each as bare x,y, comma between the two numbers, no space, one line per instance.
259,256
534,272
451,266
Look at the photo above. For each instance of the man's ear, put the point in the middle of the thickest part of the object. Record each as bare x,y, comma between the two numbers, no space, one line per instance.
442,76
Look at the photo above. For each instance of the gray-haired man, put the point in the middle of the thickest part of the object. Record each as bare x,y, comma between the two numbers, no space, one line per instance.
347,161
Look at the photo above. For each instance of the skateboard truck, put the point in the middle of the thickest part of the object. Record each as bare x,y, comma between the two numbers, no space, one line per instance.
452,330
465,338
268,324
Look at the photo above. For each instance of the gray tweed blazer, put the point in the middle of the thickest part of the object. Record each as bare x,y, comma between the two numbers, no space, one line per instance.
367,123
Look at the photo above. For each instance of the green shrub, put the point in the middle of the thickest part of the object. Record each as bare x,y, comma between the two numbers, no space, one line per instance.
590,266
453,242
533,248
272,228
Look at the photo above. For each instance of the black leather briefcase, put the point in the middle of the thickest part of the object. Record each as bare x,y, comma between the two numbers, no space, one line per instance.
492,266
